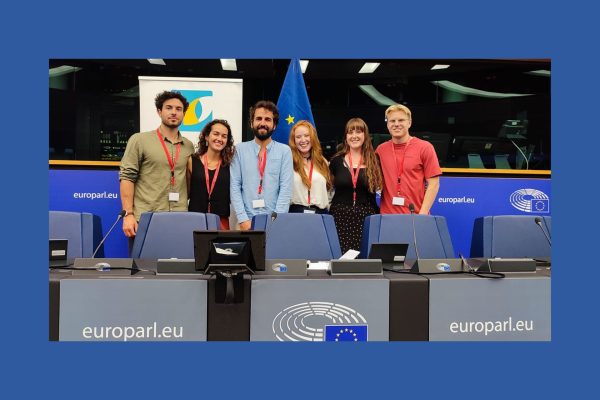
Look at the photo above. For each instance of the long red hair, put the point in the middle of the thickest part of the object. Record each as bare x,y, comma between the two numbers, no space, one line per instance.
316,154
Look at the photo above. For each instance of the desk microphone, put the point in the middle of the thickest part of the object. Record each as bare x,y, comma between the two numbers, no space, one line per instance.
273,216
411,208
538,222
121,215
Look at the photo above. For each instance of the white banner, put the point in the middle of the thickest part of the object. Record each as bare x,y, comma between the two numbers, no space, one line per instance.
209,98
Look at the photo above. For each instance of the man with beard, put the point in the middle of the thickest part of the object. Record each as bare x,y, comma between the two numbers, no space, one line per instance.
262,169
153,169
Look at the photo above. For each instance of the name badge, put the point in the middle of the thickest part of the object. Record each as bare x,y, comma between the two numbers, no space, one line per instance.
173,196
398,201
258,203
309,211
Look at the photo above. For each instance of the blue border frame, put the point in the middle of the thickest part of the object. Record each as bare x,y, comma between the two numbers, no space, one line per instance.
33,367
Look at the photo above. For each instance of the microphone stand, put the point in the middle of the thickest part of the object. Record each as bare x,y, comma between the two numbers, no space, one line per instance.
108,234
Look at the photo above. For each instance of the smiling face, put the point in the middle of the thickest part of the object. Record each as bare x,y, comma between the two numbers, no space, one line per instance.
355,137
171,114
263,124
217,137
398,123
302,140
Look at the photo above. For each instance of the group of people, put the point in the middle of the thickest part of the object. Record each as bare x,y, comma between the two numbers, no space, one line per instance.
161,171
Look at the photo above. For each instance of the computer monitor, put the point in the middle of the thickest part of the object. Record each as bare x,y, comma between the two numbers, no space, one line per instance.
483,145
229,248
514,129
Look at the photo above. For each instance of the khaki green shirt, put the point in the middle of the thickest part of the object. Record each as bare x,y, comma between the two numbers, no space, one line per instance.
145,164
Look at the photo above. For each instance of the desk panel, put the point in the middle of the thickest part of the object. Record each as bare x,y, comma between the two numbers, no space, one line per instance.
132,309
318,309
516,308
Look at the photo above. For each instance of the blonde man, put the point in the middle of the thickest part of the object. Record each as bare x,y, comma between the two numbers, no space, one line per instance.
411,170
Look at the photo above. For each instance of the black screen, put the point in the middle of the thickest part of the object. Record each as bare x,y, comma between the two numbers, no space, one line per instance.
229,247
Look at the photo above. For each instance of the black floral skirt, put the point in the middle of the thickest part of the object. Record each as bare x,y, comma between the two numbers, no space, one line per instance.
349,222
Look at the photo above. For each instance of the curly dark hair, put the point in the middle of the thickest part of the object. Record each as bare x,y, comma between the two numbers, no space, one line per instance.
227,152
167,95
267,105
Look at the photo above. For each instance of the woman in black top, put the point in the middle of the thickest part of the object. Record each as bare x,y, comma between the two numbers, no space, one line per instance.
208,171
356,177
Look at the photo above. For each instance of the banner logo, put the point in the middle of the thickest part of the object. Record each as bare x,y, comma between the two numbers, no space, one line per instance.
318,321
530,201
200,111
342,333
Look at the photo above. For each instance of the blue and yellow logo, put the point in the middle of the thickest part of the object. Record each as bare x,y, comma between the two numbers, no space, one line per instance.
200,111
530,201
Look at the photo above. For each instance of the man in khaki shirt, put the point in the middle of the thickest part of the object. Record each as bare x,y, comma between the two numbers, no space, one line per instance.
153,169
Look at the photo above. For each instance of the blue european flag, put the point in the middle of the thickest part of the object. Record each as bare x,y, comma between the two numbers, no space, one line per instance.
540,205
293,102
346,333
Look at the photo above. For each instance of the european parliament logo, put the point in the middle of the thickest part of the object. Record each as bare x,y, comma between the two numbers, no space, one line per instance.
200,111
317,321
530,201
346,333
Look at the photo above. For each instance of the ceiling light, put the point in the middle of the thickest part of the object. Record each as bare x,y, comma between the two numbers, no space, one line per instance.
368,68
455,87
156,61
376,95
539,72
228,64
440,66
303,65
63,70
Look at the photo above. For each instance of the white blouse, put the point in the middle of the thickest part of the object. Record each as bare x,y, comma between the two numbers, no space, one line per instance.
318,193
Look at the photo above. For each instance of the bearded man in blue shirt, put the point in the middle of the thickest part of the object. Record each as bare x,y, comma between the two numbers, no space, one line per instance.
262,170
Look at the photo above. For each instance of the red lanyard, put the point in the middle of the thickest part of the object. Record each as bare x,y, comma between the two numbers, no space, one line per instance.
210,186
310,181
171,161
399,172
262,163
354,175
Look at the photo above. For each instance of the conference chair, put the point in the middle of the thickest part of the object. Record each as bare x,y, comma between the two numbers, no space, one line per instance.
170,234
510,236
299,236
475,161
432,236
82,230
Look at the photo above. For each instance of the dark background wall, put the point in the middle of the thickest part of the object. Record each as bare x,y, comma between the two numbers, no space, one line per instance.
95,108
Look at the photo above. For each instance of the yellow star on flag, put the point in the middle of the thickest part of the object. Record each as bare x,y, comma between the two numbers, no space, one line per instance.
290,119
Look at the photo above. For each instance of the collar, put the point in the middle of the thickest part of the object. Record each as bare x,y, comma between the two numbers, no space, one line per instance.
178,140
257,147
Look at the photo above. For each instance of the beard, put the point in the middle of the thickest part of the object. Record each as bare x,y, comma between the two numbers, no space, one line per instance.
167,122
262,136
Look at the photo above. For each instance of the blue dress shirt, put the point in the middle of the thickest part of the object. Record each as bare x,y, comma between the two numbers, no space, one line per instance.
245,177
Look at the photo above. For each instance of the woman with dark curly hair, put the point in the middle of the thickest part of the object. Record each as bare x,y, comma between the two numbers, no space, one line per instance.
208,171
356,177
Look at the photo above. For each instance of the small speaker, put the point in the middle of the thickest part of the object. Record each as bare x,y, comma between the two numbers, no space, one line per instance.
176,266
356,267
508,265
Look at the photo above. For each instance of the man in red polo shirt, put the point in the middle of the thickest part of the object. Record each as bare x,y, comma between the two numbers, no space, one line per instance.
411,170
